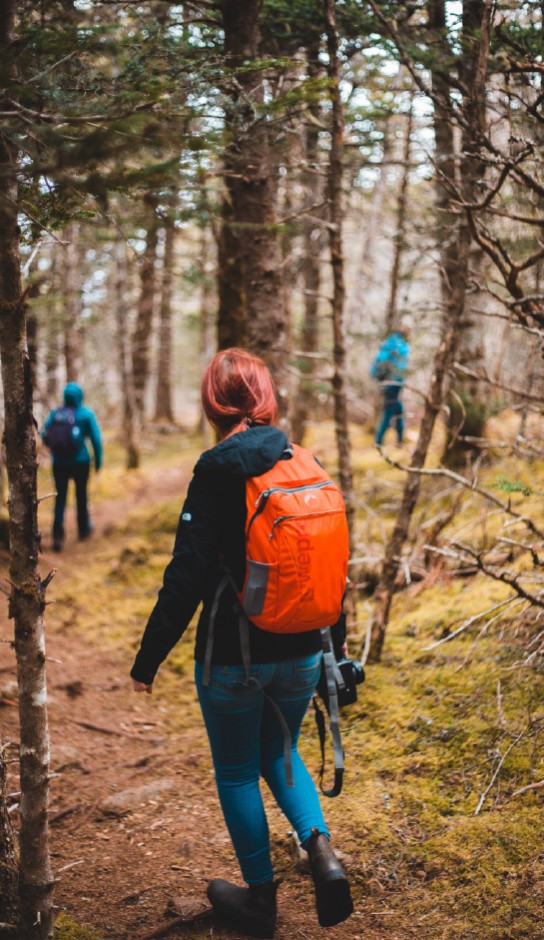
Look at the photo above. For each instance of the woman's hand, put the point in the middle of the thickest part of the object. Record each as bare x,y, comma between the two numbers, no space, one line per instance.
142,687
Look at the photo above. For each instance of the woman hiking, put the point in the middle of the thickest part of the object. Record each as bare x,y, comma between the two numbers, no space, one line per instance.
243,717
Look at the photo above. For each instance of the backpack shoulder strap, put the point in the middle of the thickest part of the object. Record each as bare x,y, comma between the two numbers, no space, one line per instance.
225,580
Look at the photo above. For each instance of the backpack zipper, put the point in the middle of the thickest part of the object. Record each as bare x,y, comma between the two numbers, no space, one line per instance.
260,502
323,512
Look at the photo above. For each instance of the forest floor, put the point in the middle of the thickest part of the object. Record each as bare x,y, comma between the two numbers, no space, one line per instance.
136,827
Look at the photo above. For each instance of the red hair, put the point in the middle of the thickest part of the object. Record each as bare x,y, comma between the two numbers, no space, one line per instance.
238,391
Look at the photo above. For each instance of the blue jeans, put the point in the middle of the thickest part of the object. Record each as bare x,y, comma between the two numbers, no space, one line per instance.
246,741
392,415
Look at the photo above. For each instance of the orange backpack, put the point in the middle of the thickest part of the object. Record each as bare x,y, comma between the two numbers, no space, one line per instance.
297,547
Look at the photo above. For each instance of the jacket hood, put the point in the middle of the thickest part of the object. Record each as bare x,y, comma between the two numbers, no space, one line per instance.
248,453
73,395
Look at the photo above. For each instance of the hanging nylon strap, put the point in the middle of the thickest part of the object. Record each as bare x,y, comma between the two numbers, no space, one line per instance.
243,626
246,659
333,678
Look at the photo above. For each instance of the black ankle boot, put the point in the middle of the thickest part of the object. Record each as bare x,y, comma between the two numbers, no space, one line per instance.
250,910
332,896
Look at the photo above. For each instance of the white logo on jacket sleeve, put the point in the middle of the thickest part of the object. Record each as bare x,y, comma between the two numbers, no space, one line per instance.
186,517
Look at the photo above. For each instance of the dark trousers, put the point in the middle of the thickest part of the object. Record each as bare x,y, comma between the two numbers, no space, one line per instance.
79,473
393,413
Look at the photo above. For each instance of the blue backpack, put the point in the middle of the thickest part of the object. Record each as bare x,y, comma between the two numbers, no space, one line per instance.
63,436
392,360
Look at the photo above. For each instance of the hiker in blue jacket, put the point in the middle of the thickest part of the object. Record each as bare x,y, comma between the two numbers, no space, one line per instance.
389,369
65,432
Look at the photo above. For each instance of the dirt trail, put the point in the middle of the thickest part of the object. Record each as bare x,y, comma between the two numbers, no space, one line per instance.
134,814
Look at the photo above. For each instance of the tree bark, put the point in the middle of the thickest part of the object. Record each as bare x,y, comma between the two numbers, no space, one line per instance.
9,909
251,183
163,397
232,306
130,426
311,272
206,332
27,599
466,412
335,206
32,335
73,336
51,333
454,240
146,305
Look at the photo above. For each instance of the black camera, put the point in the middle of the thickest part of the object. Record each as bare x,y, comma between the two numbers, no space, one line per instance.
353,674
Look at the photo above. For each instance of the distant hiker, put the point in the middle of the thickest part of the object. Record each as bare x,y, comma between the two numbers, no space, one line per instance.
65,432
254,686
389,369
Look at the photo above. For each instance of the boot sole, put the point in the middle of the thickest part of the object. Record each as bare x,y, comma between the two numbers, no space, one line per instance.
333,901
247,929
250,930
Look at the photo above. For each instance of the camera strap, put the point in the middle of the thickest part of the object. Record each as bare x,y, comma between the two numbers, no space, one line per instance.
334,679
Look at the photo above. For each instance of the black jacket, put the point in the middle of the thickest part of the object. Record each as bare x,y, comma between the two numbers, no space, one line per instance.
211,529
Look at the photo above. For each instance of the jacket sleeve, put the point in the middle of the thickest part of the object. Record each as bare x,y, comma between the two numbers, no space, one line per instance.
96,439
194,558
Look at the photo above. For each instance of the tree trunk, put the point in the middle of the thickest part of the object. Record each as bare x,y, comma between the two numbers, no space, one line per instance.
206,332
454,239
130,424
251,183
27,599
32,337
163,399
232,308
73,337
466,415
311,271
335,206
51,333
9,910
399,241
467,411
146,303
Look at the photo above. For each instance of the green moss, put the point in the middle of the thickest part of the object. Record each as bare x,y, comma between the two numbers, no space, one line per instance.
68,929
425,736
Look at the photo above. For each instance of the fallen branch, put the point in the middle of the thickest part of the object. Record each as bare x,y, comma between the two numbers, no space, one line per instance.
503,576
80,861
497,770
111,731
165,929
63,813
483,377
500,710
468,623
530,786
444,472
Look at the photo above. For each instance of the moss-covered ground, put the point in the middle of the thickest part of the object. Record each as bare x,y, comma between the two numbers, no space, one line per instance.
439,841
